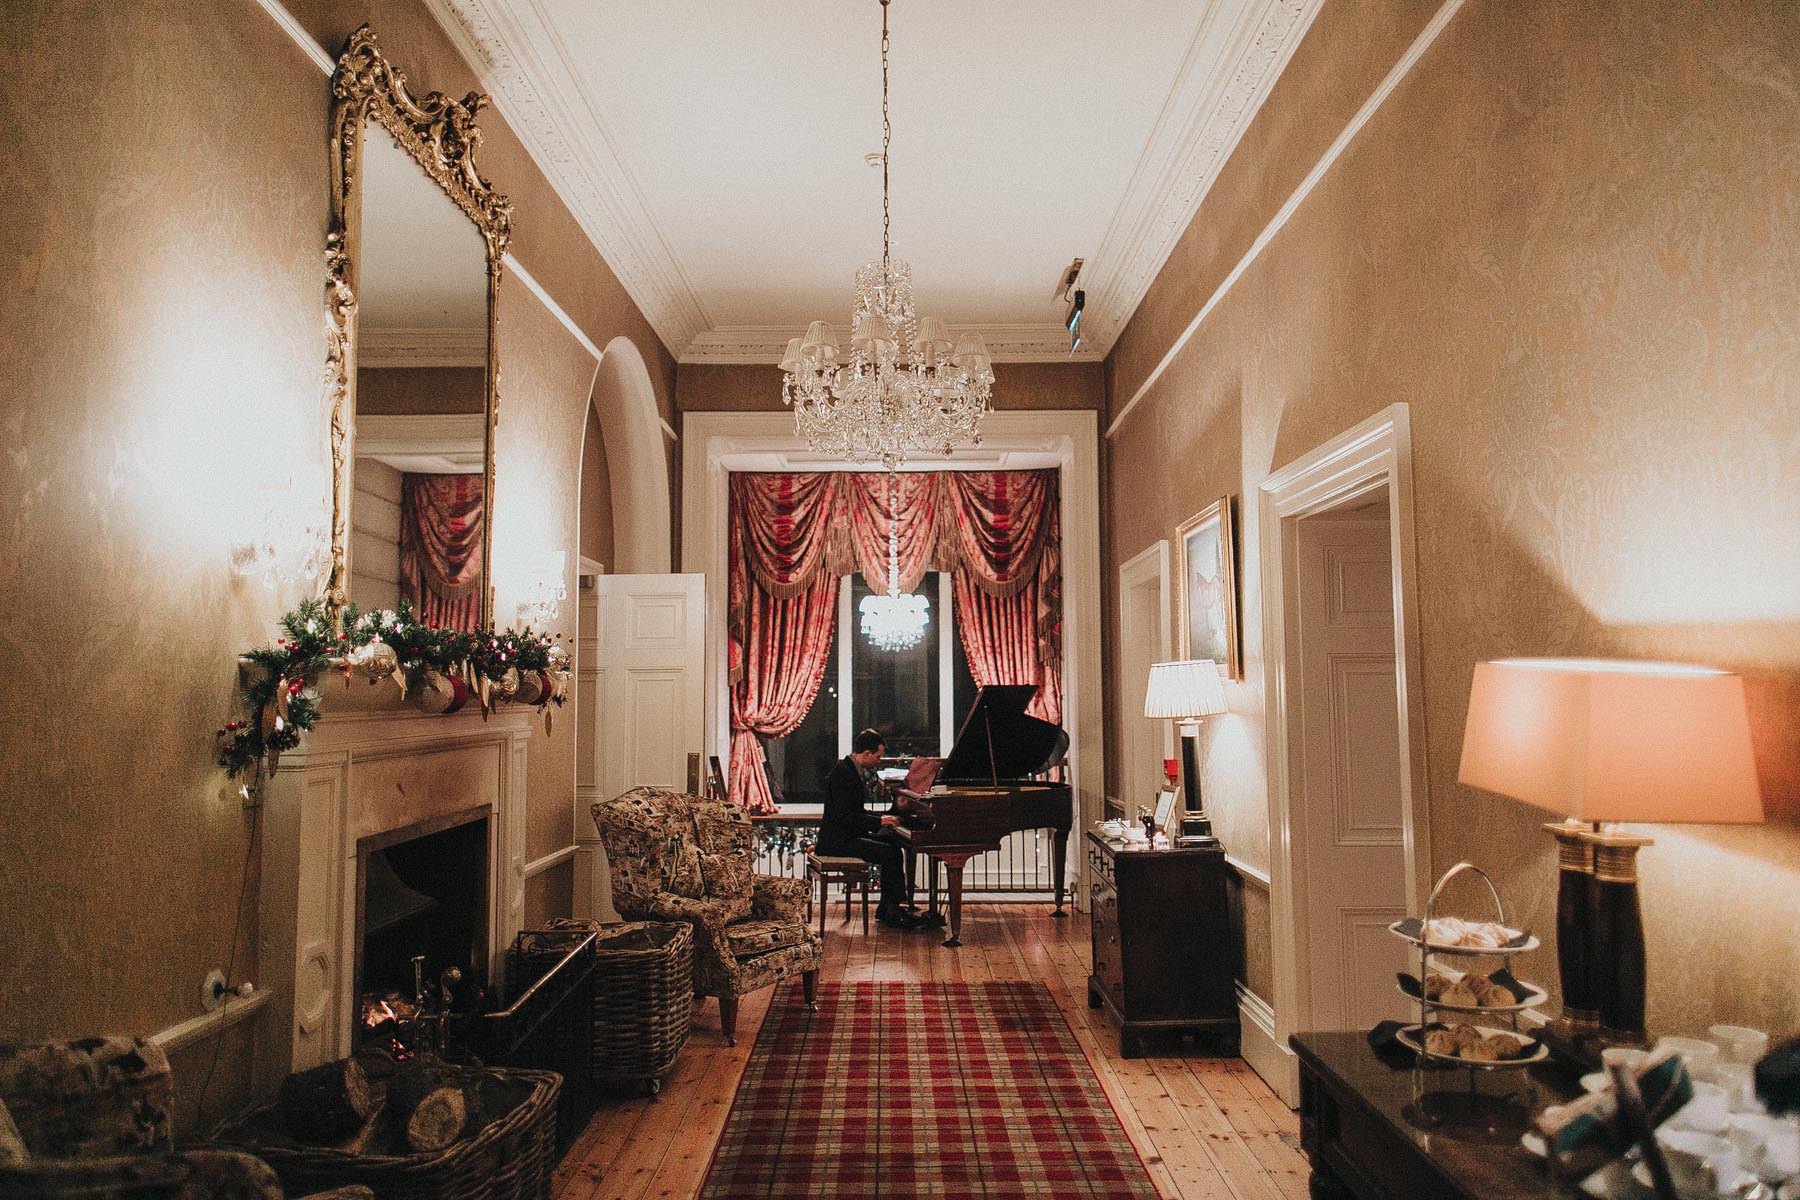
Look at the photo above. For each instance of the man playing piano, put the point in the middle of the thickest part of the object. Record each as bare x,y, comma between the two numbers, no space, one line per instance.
850,829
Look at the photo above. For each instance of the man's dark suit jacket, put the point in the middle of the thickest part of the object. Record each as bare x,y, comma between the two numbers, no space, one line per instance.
845,818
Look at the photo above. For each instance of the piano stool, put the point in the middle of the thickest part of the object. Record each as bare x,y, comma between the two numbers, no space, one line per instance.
835,868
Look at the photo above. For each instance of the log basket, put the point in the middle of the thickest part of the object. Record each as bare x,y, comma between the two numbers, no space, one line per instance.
643,998
509,1159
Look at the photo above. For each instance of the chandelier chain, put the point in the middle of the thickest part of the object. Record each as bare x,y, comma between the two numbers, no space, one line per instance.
887,136
903,383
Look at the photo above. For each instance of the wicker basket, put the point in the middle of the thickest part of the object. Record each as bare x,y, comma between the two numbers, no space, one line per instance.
510,1159
643,999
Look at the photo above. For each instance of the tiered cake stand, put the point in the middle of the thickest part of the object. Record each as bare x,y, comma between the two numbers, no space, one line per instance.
1413,1036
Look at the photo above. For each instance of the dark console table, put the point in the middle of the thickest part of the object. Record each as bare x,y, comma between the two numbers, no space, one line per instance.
1165,946
1363,1128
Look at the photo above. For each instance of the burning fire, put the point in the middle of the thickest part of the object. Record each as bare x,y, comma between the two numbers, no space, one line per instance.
378,1010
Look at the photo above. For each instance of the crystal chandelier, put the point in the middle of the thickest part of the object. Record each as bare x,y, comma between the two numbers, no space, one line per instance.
906,384
894,622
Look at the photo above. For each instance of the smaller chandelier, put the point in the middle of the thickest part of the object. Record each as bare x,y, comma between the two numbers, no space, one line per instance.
906,384
896,621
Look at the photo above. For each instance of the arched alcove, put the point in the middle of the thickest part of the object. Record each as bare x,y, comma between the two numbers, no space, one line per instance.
625,402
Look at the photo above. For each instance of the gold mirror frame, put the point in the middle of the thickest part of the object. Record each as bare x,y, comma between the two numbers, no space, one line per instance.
441,135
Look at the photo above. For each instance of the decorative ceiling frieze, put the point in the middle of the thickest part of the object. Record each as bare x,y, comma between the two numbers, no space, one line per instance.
1239,50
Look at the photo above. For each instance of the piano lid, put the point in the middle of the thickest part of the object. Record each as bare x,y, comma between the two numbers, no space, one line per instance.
1022,744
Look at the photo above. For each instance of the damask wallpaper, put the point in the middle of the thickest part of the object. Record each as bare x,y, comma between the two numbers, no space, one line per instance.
1570,241
164,191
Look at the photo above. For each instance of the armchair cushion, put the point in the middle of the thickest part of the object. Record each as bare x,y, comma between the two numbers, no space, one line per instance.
727,876
710,916
722,828
681,871
776,898
749,938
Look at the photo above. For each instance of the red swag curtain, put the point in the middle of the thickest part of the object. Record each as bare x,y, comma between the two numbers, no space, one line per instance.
441,520
793,535
782,606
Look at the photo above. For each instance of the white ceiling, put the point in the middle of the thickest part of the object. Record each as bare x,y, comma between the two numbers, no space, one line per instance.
714,151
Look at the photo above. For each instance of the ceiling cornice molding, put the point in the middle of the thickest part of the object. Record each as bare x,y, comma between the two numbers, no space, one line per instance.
1231,65
525,68
421,347
764,344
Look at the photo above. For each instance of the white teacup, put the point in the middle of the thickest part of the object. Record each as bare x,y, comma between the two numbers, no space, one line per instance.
1738,1043
1699,1055
1623,1056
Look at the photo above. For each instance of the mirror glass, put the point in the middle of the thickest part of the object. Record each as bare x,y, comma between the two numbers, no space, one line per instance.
418,504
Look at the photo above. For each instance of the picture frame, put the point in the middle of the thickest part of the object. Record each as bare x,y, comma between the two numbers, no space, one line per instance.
1165,808
1206,557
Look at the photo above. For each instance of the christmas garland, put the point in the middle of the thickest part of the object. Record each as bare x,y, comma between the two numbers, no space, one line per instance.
440,668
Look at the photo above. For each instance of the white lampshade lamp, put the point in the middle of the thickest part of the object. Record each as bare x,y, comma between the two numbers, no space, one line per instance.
1186,692
1609,740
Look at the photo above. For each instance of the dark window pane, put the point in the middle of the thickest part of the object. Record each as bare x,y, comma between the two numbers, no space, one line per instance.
799,762
896,692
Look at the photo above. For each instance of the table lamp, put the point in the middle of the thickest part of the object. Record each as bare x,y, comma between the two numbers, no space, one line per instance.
1604,741
1185,692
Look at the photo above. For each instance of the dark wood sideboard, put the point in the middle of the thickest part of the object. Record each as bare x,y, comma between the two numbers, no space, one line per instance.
1367,1138
1165,942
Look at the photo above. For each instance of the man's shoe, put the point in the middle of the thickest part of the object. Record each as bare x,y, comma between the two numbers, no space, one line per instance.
896,919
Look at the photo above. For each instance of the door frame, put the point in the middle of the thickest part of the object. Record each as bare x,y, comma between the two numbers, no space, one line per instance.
1373,454
1147,569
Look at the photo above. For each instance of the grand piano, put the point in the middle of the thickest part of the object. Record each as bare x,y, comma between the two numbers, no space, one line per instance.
985,790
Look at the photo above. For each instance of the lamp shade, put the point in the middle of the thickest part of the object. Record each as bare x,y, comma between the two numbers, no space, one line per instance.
1613,740
1181,691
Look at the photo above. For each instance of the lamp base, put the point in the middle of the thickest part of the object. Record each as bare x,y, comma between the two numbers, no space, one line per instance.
1581,1042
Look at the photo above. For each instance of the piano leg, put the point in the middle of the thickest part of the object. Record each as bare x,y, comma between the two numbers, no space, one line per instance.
933,918
1059,863
953,863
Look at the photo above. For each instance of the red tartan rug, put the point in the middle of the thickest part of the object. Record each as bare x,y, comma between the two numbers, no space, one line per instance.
947,1090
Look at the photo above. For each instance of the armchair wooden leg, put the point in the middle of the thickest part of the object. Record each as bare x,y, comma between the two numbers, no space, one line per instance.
728,1007
809,987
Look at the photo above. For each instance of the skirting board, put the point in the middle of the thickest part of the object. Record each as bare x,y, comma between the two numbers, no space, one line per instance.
1278,1065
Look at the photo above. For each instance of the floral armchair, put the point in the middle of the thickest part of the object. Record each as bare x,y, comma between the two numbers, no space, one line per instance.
91,1119
682,858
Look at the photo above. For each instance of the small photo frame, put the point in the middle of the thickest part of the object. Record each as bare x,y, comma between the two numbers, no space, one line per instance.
1206,551
1165,808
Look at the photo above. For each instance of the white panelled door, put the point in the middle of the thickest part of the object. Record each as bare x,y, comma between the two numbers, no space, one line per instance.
648,683
652,679
1351,860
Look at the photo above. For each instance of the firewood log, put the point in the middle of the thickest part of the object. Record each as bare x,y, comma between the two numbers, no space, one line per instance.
327,1102
430,1105
365,1137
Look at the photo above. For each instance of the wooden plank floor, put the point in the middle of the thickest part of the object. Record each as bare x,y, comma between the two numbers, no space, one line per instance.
1206,1127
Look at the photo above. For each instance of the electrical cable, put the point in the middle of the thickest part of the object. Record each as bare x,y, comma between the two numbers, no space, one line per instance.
237,923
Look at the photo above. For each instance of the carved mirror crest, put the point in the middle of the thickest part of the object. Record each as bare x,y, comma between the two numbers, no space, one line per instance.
413,258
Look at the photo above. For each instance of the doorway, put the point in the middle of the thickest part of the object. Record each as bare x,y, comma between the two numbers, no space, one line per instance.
1145,636
1349,830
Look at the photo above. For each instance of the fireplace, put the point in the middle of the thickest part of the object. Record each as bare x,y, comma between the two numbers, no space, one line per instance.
421,893
373,775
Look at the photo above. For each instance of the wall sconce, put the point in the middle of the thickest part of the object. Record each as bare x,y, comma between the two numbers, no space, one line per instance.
283,539
546,587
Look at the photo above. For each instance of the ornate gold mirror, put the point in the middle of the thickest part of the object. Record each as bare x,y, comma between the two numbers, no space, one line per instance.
414,258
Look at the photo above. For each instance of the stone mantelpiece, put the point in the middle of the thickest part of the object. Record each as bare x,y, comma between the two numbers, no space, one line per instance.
371,765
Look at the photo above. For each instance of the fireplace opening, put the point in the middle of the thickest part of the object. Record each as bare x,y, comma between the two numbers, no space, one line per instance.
421,892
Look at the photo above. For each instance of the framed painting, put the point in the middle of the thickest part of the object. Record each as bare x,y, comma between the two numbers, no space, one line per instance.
1206,548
